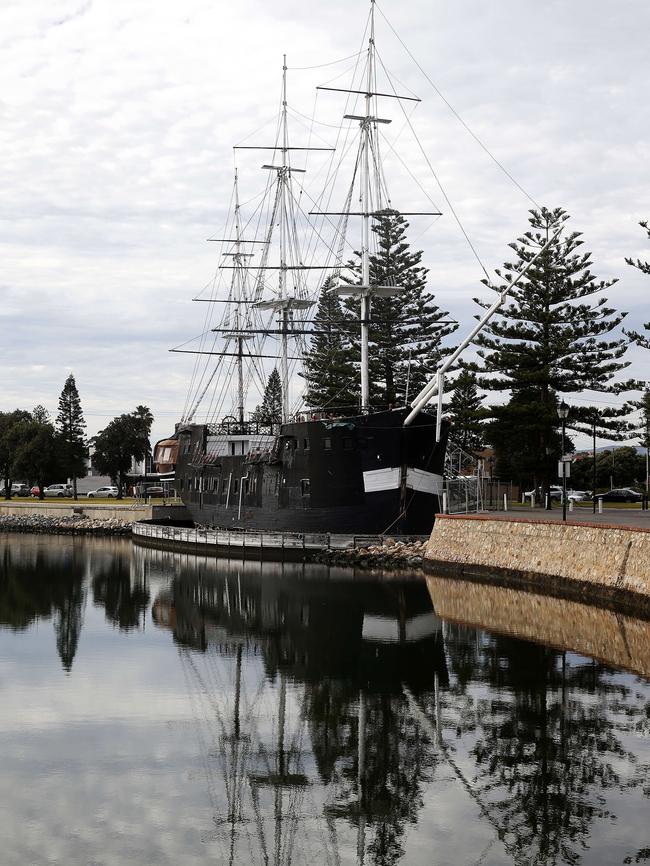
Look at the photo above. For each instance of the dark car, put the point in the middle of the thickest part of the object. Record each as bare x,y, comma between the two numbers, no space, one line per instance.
620,494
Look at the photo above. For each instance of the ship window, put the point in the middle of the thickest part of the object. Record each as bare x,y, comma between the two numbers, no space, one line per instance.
246,485
327,443
224,485
186,444
305,485
305,444
232,447
235,486
348,444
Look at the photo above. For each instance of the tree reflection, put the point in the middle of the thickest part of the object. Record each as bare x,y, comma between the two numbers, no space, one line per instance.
124,597
44,583
546,742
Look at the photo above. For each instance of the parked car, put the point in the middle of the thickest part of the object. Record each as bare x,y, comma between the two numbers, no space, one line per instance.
104,493
16,490
555,491
58,490
577,495
620,494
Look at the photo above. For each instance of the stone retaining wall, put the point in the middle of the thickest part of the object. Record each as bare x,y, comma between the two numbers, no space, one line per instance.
130,513
611,557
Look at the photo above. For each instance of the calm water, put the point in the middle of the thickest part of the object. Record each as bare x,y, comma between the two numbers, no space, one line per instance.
164,709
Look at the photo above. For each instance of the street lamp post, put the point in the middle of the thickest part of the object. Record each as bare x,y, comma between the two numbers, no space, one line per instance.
563,411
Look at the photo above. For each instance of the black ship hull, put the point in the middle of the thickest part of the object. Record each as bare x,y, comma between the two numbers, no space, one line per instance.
365,474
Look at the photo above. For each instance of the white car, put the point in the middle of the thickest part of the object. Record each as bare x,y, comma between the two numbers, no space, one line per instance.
103,493
555,492
57,490
577,495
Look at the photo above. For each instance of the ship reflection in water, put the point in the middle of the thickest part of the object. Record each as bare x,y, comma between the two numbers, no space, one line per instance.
283,714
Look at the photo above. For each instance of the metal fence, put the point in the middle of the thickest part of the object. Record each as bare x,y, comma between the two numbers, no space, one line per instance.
464,495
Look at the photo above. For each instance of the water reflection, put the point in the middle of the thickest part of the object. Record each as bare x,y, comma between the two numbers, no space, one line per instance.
537,738
327,719
46,578
328,659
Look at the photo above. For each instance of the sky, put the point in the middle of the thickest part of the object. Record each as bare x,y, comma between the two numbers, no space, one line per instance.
117,122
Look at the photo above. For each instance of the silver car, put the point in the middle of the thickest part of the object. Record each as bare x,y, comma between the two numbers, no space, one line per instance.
103,493
57,490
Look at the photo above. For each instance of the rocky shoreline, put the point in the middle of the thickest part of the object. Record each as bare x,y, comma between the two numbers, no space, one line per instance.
74,525
391,554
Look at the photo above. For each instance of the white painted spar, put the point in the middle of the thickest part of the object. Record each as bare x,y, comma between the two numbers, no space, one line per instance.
426,482
378,480
382,629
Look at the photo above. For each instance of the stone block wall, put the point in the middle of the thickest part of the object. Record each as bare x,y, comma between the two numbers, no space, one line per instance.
612,557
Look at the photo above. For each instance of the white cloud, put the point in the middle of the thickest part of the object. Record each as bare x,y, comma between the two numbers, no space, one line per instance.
117,121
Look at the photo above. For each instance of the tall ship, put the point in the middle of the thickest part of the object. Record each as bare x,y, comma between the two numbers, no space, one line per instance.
365,455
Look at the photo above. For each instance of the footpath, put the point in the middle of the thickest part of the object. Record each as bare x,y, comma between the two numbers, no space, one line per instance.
632,517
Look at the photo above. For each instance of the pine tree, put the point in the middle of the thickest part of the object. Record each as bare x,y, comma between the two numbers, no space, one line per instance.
551,338
643,430
332,381
467,414
269,414
70,426
407,329
644,267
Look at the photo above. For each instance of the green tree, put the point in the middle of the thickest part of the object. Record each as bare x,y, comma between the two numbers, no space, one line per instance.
71,425
35,449
125,439
9,432
467,414
644,432
615,467
269,414
551,338
644,267
406,330
328,369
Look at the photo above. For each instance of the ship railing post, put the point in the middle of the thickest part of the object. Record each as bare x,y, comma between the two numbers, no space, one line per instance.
505,501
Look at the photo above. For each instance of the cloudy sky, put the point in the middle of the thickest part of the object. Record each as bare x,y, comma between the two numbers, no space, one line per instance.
117,121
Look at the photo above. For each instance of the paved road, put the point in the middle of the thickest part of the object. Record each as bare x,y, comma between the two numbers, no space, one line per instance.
610,516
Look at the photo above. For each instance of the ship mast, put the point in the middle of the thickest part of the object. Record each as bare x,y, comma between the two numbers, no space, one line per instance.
367,171
284,324
286,300
366,132
239,278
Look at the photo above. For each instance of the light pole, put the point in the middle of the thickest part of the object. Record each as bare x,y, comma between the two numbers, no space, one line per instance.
563,411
